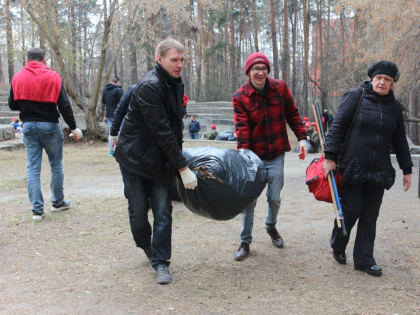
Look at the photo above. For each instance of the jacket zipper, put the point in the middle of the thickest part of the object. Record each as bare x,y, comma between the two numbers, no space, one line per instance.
380,127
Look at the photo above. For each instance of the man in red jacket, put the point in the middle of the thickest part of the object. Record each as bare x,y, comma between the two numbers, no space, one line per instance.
262,107
39,95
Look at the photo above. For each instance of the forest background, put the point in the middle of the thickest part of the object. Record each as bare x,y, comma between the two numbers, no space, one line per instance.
321,48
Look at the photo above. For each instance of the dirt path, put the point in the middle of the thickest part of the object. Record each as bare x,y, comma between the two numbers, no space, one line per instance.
84,261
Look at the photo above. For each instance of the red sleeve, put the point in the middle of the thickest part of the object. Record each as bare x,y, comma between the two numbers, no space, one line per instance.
185,100
240,119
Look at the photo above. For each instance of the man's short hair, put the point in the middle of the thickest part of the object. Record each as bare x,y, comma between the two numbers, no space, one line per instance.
35,53
115,79
167,44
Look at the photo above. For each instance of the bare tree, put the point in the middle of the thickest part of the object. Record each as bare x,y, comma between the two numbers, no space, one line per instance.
306,5
286,54
9,36
86,98
274,39
255,23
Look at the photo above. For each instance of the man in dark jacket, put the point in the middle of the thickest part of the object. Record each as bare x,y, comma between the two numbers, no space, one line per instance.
110,98
37,92
149,152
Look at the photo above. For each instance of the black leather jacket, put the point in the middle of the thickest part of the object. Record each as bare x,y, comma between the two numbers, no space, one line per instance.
378,128
150,141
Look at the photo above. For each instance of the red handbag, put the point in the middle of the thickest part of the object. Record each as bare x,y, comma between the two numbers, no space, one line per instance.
318,184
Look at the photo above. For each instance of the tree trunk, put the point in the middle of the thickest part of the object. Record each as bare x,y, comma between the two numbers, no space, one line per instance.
134,77
1,70
286,54
306,53
413,100
73,41
9,36
323,88
202,58
255,22
274,40
22,36
294,32
327,53
232,51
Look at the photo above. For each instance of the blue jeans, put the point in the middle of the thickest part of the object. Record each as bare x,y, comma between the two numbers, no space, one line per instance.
109,123
139,191
48,136
275,179
194,135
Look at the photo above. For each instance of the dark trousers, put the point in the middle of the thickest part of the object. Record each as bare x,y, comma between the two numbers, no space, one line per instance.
139,191
359,201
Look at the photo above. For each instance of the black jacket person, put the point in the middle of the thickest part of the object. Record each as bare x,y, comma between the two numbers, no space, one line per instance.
149,152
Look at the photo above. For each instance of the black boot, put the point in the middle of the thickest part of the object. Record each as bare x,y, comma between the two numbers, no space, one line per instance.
242,252
276,239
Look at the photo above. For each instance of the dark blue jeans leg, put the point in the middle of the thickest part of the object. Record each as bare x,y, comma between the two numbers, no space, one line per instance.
136,192
162,224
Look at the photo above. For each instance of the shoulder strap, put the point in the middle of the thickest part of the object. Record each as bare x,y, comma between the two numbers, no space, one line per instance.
356,111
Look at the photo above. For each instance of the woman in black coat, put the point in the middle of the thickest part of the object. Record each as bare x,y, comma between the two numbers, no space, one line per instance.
366,165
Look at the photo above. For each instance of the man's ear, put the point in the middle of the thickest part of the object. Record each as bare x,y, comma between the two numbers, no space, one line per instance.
159,59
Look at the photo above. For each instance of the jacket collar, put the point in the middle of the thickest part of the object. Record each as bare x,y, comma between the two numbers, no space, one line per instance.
166,76
389,98
176,85
249,88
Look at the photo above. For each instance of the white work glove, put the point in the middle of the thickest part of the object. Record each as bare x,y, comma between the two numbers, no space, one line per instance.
188,178
76,134
303,148
113,140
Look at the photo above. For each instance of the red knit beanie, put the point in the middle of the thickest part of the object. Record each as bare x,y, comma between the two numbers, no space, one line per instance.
254,58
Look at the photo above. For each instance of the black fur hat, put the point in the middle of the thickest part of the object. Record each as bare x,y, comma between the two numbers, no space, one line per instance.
384,67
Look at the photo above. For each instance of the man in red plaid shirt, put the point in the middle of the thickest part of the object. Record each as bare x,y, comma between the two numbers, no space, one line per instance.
261,109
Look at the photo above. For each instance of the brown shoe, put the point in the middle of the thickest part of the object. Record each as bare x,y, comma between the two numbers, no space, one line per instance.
242,252
276,239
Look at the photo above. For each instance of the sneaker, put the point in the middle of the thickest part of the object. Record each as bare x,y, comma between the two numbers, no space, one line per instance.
38,216
66,204
163,274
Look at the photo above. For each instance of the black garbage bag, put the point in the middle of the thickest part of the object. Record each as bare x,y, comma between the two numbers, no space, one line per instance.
229,181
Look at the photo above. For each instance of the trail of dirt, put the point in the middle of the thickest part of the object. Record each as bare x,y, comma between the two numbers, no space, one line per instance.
83,261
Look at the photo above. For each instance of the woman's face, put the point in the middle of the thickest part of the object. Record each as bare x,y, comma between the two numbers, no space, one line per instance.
382,84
